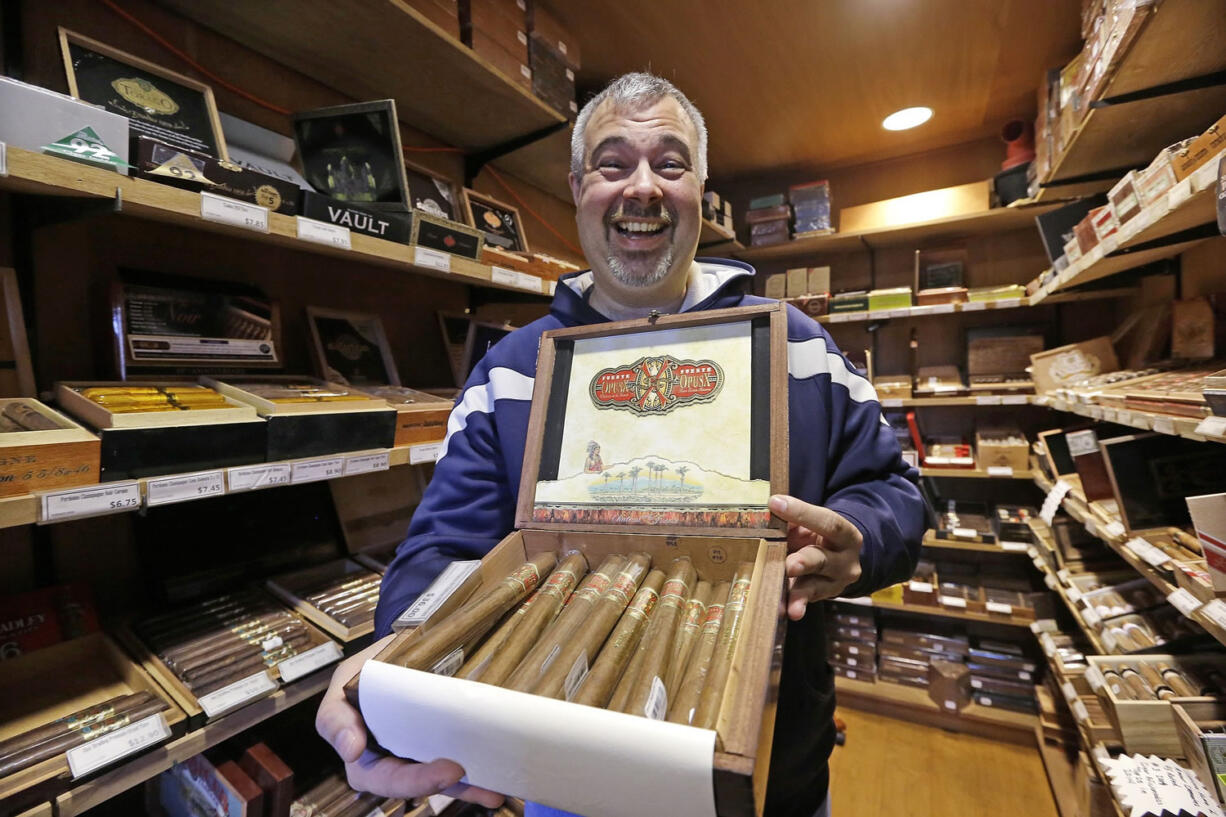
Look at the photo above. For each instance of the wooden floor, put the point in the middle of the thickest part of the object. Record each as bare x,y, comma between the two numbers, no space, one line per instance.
890,767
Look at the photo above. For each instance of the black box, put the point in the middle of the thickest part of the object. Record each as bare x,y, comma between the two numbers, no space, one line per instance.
446,236
389,226
1056,225
133,453
161,163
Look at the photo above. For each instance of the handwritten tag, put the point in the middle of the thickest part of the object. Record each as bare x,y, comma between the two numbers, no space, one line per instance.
114,497
366,463
237,694
1184,602
167,490
105,750
433,597
426,452
426,257
1212,427
233,212
296,666
4,159
508,277
988,400
1000,471
254,477
316,470
998,607
321,232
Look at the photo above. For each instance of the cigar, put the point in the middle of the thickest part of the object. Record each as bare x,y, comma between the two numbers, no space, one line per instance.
549,600
175,617
27,419
721,659
308,804
616,654
575,611
1150,673
202,632
86,732
253,634
348,601
333,591
474,619
339,804
658,642
360,807
1141,690
476,663
1117,686
688,694
291,635
1176,681
687,633
76,720
224,676
226,647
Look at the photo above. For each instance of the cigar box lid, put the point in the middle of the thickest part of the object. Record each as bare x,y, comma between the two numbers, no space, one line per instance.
675,424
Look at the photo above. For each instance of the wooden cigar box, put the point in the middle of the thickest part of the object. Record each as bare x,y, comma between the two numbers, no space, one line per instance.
296,588
1147,726
1201,737
43,686
46,459
1152,474
595,427
1064,365
311,427
139,443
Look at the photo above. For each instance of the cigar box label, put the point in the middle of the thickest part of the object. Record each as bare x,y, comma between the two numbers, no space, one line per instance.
644,603
715,615
317,470
233,212
434,596
526,577
124,741
321,232
305,663
237,694
115,497
434,259
367,463
574,678
1215,611
254,477
450,664
656,385
181,489
657,702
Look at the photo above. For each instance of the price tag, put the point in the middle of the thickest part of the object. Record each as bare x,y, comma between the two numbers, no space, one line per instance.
974,306
1008,303
254,477
105,750
1015,400
1038,564
1095,679
919,587
1054,497
1015,547
1215,611
1110,243
1044,625
942,309
553,287
4,159
1024,675
305,663
426,257
316,470
1124,417
1050,581
237,694
1048,645
976,683
1096,412
454,575
1070,694
1091,526
321,232
1109,414
1212,427
657,702
1206,175
852,649
449,664
1156,557
1164,425
439,802
166,490
366,463
988,400
897,313
233,212
507,277
427,452
953,601
965,533
892,402
1002,609
1091,617
1078,708
530,282
1074,595
1000,471
1180,193
1184,602
114,497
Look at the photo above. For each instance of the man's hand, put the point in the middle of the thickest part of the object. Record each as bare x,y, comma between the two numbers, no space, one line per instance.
823,552
341,725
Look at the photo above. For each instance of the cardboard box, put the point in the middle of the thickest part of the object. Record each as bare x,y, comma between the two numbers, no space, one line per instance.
32,118
776,286
1005,448
897,298
1154,181
1065,365
943,295
797,282
1201,151
819,280
161,163
1123,199
965,199
547,28
949,685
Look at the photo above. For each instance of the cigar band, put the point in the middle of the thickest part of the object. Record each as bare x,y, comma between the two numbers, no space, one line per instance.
739,593
623,587
599,583
694,612
715,615
523,608
675,592
560,583
644,603
77,721
98,730
526,576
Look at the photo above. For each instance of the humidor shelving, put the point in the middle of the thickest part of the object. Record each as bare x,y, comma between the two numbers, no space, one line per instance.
973,473
716,240
978,306
942,612
931,541
1143,420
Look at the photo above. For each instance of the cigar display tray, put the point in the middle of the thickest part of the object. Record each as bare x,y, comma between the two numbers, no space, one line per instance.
42,450
319,418
41,688
338,597
663,436
149,440
1147,726
420,417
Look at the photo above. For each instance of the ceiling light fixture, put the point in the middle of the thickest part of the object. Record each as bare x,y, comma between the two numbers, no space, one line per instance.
906,118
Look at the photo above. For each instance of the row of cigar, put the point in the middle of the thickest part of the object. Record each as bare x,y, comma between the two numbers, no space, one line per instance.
212,644
18,416
350,599
125,399
1159,680
334,798
47,741
626,636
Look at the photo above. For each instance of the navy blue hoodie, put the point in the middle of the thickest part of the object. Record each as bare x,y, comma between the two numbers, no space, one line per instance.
842,455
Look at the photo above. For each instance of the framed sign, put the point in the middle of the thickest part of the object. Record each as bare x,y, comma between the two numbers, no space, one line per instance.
431,193
352,153
498,222
351,348
169,107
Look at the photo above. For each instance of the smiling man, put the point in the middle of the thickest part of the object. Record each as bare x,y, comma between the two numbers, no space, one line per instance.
638,166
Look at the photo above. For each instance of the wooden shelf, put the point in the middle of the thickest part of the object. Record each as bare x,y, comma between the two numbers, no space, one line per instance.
34,173
1179,39
972,473
942,612
1000,220
931,541
978,400
1144,420
146,766
906,700
978,306
715,240
386,48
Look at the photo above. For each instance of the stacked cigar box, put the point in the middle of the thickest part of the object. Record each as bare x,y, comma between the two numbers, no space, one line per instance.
338,597
811,208
497,31
852,646
554,57
613,646
718,210
770,220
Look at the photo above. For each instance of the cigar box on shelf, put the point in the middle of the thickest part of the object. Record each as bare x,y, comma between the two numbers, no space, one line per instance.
1202,737
1208,513
153,427
941,295
438,233
76,678
1200,151
938,381
597,431
161,163
1147,726
420,417
893,385
1214,392
359,218
1002,448
1059,367
1152,474
307,417
338,597
42,450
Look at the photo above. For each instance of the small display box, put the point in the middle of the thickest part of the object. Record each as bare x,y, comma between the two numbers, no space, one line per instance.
309,417
665,437
42,450
158,427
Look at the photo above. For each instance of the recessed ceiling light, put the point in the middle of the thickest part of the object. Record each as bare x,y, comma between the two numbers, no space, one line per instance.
906,118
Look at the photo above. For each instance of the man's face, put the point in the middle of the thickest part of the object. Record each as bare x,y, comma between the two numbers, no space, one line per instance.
639,202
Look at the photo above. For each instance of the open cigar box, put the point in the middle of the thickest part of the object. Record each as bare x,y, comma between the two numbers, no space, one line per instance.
42,450
41,687
153,427
338,597
308,417
664,436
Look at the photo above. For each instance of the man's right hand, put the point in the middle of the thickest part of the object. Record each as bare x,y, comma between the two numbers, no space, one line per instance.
341,725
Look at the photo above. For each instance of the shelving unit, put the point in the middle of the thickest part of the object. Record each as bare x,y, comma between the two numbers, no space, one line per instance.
977,306
931,541
941,612
978,400
912,703
1206,429
972,473
715,240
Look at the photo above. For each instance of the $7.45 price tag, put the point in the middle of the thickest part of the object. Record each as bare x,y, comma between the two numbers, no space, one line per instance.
114,497
180,489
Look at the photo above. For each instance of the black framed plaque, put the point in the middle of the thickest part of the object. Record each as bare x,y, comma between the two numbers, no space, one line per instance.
431,193
499,223
351,348
352,153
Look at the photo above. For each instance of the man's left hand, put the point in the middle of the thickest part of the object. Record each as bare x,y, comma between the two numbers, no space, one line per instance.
823,552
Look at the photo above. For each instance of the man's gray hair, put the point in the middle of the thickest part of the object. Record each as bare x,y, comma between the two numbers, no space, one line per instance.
635,92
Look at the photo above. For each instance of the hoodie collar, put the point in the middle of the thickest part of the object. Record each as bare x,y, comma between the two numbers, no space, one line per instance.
713,281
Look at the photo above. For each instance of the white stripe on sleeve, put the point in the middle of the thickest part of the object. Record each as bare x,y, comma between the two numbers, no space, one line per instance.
504,384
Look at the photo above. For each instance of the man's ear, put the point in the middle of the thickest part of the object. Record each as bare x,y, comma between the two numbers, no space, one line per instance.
573,181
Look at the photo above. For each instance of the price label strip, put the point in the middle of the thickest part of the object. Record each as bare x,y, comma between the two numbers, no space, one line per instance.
233,212
426,452
107,749
321,232
1184,602
1052,503
254,477
434,259
295,667
168,490
114,497
317,470
506,277
237,694
367,463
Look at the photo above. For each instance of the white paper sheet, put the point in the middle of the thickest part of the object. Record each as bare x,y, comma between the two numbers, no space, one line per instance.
585,760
